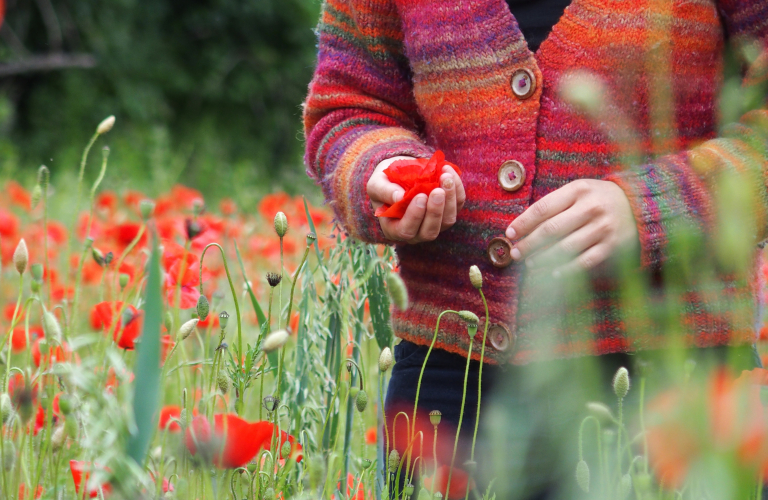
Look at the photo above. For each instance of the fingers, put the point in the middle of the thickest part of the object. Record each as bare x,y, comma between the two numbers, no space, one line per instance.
382,191
449,212
546,208
549,231
407,228
430,226
566,249
459,186
589,259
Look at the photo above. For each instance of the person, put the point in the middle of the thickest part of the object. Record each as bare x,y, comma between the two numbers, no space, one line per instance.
545,192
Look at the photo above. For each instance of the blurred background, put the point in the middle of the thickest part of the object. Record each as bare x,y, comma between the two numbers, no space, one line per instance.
206,93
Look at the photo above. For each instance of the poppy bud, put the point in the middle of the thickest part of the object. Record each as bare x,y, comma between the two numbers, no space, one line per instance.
393,462
37,195
625,486
311,238
108,258
146,209
476,277
275,340
21,256
408,490
58,438
281,224
366,464
285,450
65,404
385,359
71,426
621,383
582,475
52,328
37,271
269,494
274,279
361,400
397,291
643,483
469,317
203,307
435,416
6,407
106,125
9,455
349,367
43,347
183,418
252,467
168,321
193,228
35,287
222,381
600,411
270,403
42,176
223,320
123,280
97,256
186,329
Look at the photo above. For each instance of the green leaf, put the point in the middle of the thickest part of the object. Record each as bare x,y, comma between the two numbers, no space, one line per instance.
146,390
256,307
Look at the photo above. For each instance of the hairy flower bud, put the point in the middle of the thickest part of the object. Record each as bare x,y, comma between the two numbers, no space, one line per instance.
275,340
600,411
71,427
36,270
203,307
9,455
281,224
183,418
625,486
621,383
58,437
285,450
269,494
97,256
222,381
435,416
186,329
168,321
397,291
582,475
6,407
146,208
469,317
123,280
274,279
37,195
65,404
361,400
393,462
34,286
476,277
385,359
223,319
51,324
106,125
21,256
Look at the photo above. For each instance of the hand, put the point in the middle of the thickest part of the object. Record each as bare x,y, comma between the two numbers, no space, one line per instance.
426,216
575,227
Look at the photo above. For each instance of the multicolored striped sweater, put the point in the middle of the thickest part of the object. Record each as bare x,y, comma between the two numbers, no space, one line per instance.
408,77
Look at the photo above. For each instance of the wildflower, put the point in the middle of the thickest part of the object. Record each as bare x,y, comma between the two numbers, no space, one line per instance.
167,415
352,486
187,282
21,256
476,277
19,336
385,359
42,351
371,435
459,481
106,125
124,330
18,195
275,340
23,490
81,473
233,442
193,228
415,176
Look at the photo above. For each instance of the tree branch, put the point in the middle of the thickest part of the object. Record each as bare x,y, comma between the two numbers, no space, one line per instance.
47,62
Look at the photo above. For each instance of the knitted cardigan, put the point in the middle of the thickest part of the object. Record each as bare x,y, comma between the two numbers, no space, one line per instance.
407,77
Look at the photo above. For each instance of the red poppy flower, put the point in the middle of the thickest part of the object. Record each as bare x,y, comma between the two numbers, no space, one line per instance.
187,274
9,224
370,435
22,487
166,344
106,200
357,486
18,195
9,309
235,442
113,381
56,353
228,206
166,414
133,198
81,474
19,336
126,232
39,420
185,198
127,327
459,480
167,486
212,319
16,387
416,177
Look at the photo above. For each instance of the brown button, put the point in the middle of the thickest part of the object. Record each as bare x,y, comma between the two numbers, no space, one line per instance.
523,83
501,338
499,252
511,175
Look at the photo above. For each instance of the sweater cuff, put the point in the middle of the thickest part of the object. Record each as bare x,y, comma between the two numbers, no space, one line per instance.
353,206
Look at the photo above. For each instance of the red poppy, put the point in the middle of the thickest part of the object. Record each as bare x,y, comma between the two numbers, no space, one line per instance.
166,344
127,327
125,233
228,206
19,336
9,224
113,381
133,198
56,353
18,195
211,320
81,474
22,487
16,385
166,414
106,200
9,309
273,203
187,275
416,177
39,420
236,441
167,486
459,480
185,198
370,435
357,486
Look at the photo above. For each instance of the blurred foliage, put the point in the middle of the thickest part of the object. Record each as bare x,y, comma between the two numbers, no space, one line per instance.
219,83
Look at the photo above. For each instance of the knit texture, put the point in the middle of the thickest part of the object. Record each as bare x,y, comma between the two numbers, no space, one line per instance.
412,76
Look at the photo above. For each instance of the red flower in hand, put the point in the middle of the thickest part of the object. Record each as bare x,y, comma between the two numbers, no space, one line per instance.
125,329
416,177
235,441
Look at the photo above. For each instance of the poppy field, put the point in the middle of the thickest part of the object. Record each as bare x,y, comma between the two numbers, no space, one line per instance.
163,348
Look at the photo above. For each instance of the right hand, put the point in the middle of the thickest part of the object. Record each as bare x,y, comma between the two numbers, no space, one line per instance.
426,216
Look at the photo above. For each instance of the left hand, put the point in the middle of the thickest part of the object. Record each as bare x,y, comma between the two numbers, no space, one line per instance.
576,227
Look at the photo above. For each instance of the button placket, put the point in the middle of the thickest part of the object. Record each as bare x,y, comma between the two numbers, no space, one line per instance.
523,83
511,175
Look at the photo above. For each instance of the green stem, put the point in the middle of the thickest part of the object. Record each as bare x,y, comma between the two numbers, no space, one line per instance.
461,417
282,272
80,175
10,333
479,385
288,318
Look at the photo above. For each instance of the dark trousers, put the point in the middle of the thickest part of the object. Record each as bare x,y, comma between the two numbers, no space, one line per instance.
530,415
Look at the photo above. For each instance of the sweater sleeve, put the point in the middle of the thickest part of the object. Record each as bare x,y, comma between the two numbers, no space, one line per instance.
360,108
680,191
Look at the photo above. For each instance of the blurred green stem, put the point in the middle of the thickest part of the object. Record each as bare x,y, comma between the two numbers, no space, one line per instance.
461,418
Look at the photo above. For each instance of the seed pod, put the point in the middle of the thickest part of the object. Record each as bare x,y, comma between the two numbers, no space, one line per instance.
223,320
281,224
269,494
582,475
186,329
37,195
58,437
203,307
270,403
21,256
385,359
311,238
408,489
275,340
51,324
397,291
223,382
123,280
393,462
435,416
285,450
471,330
106,125
193,228
361,401
146,208
366,464
625,486
274,279
9,455
65,404
35,287
97,256
621,383
600,411
252,467
476,277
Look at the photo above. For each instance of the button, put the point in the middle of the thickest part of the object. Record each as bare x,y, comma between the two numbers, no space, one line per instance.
523,83
501,338
511,175
499,252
